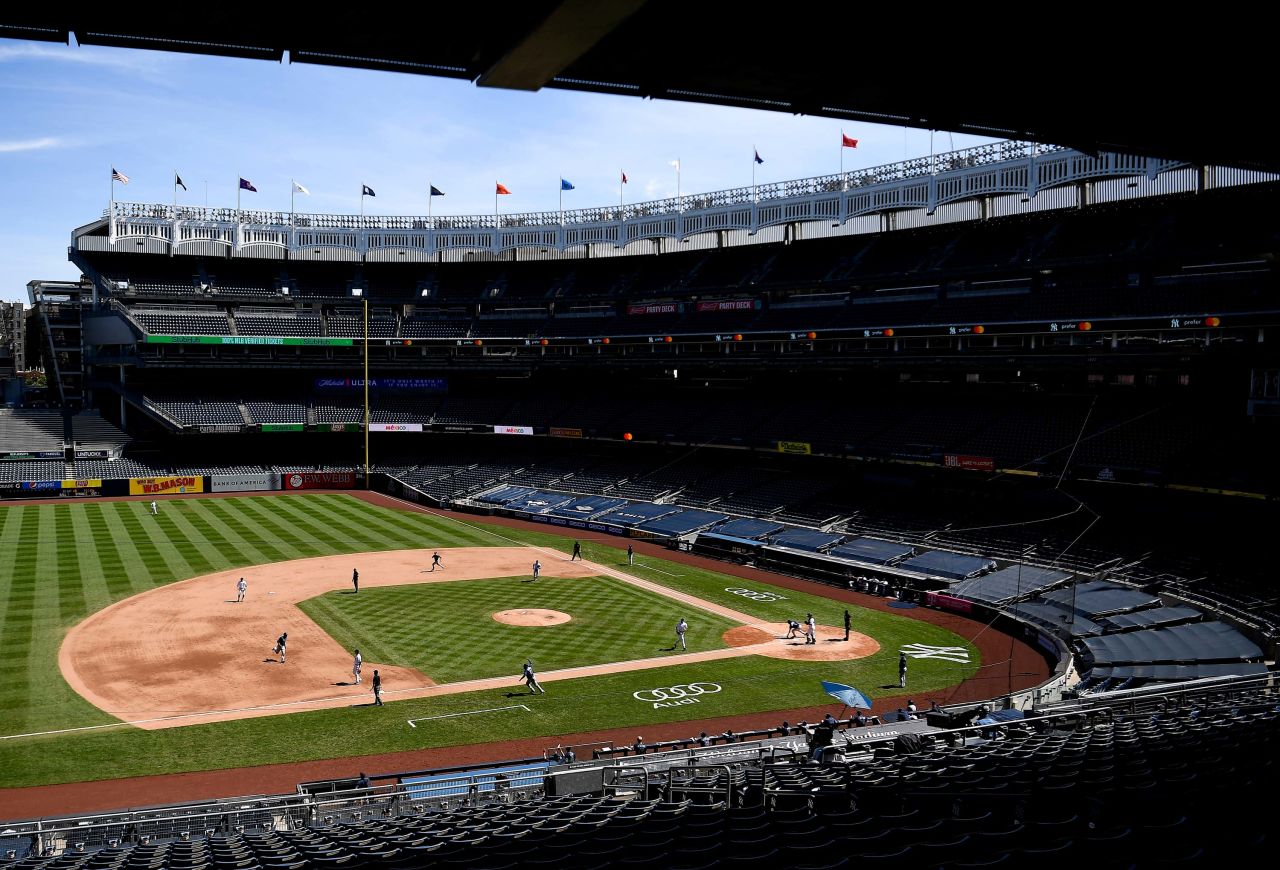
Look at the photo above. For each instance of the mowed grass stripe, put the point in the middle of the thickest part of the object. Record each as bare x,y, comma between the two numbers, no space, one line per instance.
92,560
243,552
144,569
423,530
249,534
114,574
349,515
164,560
285,530
72,603
220,535
342,538
199,551
17,589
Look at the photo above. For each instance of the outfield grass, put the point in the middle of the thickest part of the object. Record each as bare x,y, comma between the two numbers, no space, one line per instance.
58,563
446,630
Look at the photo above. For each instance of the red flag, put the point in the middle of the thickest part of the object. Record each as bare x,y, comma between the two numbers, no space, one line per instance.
502,191
846,142
624,178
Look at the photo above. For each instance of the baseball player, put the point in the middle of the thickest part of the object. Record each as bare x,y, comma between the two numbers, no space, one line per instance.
280,642
241,588
792,628
435,561
681,628
377,689
848,622
355,580
356,663
537,569
155,510
902,670
631,555
811,630
529,679
577,551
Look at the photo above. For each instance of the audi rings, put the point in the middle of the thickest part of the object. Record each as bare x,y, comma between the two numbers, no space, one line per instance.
753,595
675,693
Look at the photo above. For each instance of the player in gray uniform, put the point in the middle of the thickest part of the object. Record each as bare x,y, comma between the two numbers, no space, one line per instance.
530,679
681,628
537,569
280,642
356,664
241,588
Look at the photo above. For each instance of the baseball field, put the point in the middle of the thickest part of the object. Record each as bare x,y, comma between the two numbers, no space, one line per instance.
124,652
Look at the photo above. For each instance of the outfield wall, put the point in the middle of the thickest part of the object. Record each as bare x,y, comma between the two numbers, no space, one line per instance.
182,484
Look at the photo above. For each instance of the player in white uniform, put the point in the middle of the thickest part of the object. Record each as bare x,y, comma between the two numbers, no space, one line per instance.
537,569
811,630
241,588
355,666
154,510
681,628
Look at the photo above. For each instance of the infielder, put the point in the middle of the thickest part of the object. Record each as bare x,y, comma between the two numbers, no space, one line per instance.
355,666
355,580
811,630
537,569
681,628
577,551
435,561
241,588
280,642
529,679
377,689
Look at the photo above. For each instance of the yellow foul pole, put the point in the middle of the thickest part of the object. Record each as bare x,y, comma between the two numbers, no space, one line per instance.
366,393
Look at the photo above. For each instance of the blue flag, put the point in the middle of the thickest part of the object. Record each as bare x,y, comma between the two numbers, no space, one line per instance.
246,184
435,191
564,185
759,159
366,190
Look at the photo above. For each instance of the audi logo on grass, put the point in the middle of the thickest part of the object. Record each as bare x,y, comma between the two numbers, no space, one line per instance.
675,696
753,595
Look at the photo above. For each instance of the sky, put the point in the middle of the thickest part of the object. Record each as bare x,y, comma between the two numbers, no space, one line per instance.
68,114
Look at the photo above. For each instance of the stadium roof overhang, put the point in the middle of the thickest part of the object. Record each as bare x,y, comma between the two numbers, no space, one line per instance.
1090,83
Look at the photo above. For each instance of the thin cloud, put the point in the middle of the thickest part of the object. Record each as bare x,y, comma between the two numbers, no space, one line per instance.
120,59
13,146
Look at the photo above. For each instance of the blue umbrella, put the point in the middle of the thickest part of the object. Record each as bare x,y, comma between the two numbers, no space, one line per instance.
847,695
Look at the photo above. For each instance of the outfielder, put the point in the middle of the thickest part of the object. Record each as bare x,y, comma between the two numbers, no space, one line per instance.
631,555
355,666
529,679
280,642
155,511
355,580
681,628
241,588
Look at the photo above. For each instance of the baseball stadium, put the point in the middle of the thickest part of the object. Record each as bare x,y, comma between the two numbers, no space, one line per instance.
913,515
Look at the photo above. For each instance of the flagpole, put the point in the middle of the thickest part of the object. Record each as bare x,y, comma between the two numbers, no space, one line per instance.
621,175
293,192
679,201
754,152
238,177
842,158
562,200
429,198
175,194
111,208
362,205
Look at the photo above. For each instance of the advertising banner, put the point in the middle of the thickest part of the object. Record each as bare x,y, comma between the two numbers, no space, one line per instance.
320,480
91,454
339,427
460,427
729,305
947,602
566,432
165,485
45,454
512,430
426,385
283,427
656,308
803,447
220,428
395,427
82,483
33,485
250,339
243,482
971,463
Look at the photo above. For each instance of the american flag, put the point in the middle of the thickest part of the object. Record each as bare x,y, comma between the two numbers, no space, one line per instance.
117,175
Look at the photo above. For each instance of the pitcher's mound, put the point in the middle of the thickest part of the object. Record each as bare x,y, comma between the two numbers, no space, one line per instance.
831,645
531,617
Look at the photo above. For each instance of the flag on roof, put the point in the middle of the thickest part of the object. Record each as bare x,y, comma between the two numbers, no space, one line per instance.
759,159
366,190
435,191
246,184
117,175
565,185
847,141
177,181
624,178
298,188
676,164
502,190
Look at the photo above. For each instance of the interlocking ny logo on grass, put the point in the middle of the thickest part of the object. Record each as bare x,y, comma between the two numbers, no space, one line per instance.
675,696
947,653
753,595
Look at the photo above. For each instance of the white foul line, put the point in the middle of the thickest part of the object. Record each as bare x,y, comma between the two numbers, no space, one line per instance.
467,713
